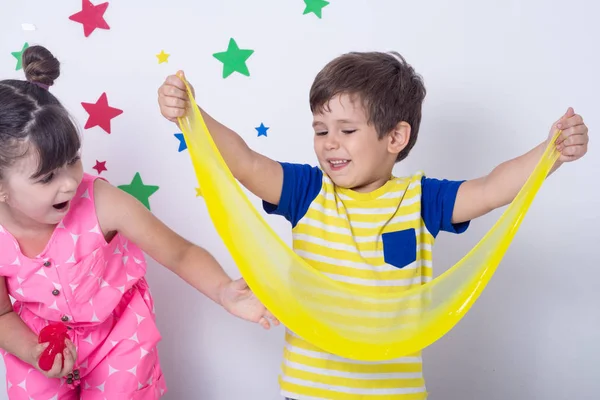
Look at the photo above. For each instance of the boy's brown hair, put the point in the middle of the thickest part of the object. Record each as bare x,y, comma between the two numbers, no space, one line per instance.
389,88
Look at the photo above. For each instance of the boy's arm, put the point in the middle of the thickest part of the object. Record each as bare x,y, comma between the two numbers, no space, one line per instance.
259,174
479,196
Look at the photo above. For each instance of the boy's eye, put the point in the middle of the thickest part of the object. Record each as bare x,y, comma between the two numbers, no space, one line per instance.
349,131
321,133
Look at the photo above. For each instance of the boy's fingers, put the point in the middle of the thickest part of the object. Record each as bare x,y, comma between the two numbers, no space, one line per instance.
175,81
168,90
573,135
174,102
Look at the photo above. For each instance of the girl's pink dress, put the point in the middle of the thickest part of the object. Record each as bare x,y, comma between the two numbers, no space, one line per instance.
96,288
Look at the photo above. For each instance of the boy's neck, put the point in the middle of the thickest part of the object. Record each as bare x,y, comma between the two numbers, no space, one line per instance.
371,185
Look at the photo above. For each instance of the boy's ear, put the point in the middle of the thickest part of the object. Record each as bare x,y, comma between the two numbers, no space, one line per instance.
398,137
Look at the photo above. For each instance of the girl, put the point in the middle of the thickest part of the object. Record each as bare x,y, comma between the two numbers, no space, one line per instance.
71,250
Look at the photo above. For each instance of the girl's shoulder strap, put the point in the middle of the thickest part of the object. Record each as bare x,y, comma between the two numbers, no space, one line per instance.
83,207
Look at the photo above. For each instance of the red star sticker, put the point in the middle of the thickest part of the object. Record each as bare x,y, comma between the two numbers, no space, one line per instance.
91,17
100,166
100,113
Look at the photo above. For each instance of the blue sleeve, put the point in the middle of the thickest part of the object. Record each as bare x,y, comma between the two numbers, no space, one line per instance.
437,205
301,185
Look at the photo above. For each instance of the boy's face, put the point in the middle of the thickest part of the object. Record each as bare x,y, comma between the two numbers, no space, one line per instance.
348,148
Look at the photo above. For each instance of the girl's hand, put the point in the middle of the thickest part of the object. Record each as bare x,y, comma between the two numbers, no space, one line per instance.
237,298
58,370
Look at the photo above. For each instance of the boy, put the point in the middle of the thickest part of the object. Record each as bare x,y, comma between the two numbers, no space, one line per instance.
352,219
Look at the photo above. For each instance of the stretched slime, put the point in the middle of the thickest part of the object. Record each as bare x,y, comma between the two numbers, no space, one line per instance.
337,317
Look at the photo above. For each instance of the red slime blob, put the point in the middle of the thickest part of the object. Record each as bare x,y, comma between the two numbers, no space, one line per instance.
54,334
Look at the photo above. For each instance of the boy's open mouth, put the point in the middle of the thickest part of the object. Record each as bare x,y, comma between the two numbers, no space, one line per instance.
338,164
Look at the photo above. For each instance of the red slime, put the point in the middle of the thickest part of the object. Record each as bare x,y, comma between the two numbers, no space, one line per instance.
54,334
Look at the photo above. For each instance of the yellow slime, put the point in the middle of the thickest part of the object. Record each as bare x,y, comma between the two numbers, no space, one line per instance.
334,316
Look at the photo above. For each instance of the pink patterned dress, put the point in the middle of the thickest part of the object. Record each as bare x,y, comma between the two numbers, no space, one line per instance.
98,290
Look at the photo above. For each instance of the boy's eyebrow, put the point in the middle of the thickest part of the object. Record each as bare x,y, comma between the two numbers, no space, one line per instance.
342,121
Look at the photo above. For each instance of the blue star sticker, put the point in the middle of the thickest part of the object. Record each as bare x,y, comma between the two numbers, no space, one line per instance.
182,143
262,129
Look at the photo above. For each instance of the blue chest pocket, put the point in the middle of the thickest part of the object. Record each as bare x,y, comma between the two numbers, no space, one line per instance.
400,247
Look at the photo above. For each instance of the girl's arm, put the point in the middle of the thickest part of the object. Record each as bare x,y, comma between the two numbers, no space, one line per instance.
120,212
17,339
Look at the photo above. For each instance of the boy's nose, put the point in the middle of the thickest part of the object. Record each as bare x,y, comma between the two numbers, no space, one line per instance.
332,143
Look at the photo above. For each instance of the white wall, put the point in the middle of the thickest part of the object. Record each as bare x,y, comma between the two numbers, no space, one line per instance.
498,74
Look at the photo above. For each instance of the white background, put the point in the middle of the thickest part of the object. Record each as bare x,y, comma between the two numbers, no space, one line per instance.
498,74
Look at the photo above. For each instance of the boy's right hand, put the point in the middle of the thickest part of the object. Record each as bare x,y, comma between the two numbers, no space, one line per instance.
58,370
173,98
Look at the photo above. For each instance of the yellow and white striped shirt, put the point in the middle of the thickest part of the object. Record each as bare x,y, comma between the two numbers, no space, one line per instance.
379,241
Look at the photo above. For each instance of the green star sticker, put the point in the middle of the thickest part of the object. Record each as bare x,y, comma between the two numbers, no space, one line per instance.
315,7
234,59
138,190
19,56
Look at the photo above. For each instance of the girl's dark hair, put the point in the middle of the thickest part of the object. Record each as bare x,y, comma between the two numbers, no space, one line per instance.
31,118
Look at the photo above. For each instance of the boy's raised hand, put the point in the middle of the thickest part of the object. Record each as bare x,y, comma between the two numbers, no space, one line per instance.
172,97
237,298
572,144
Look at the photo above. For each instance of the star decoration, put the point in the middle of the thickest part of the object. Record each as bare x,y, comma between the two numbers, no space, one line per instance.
198,192
182,143
19,56
234,59
100,113
163,57
262,129
91,17
315,7
140,191
100,166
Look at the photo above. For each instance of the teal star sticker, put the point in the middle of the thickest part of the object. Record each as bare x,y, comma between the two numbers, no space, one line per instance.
140,191
234,59
315,7
19,56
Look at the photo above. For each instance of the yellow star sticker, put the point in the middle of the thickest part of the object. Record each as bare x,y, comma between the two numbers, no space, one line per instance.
198,192
162,57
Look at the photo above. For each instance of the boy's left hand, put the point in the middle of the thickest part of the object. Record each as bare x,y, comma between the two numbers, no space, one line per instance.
238,299
572,143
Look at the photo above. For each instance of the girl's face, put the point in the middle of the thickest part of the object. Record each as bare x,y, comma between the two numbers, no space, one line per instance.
43,200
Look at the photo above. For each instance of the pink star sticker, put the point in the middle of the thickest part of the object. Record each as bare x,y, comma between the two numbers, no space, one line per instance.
100,113
100,166
91,17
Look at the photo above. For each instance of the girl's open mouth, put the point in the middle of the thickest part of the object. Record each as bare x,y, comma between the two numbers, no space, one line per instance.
61,206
